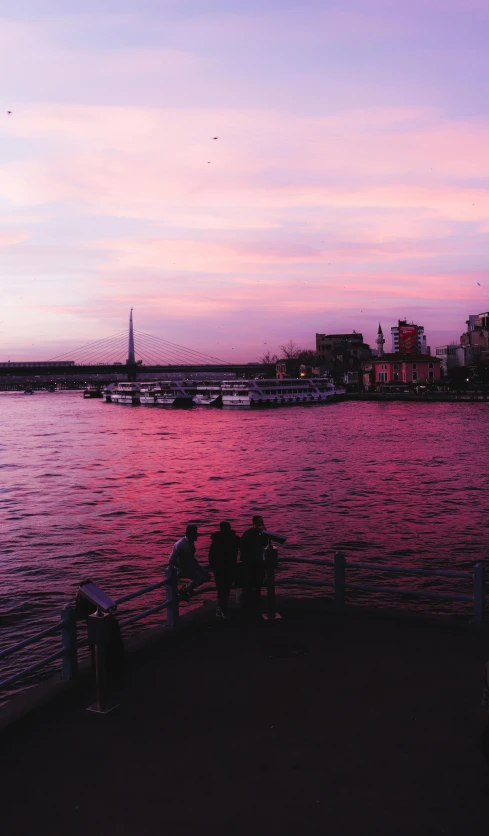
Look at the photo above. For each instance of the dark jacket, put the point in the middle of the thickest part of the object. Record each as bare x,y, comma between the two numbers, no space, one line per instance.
252,544
223,552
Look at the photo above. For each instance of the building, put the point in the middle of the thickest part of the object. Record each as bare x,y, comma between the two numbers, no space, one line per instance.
332,347
401,368
341,353
408,338
477,335
456,356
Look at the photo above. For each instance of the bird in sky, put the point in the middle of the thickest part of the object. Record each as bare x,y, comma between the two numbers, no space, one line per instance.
208,162
479,284
9,112
215,137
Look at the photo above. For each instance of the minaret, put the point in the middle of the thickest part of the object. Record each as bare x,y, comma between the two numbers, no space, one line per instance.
380,342
131,360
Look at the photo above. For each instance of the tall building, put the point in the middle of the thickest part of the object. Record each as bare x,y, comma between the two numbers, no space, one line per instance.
477,335
380,342
408,338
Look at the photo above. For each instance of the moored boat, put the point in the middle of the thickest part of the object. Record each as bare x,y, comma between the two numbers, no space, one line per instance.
125,393
172,393
207,393
276,392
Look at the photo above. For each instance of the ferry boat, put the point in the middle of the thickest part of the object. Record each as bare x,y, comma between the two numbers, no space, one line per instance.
207,392
273,392
92,392
127,393
165,393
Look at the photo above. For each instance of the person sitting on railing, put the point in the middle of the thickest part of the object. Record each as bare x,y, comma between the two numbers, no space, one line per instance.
183,558
223,558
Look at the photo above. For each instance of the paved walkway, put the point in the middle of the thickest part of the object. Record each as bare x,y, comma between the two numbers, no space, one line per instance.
318,724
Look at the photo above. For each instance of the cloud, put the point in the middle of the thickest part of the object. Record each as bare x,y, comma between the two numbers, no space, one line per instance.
350,175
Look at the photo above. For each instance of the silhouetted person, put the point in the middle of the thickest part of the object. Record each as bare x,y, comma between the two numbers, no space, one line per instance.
252,544
183,558
223,558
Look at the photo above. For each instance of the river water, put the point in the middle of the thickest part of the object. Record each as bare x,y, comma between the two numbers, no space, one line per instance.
88,488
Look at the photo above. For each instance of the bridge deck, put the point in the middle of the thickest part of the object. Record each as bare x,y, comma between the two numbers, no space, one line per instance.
316,724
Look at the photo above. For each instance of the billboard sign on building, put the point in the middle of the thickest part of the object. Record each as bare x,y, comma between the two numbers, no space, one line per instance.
408,339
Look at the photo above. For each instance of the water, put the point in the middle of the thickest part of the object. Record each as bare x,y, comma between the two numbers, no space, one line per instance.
88,488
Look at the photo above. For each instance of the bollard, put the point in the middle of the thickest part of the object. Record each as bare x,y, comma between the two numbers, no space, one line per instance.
98,635
171,597
271,563
68,643
479,583
339,579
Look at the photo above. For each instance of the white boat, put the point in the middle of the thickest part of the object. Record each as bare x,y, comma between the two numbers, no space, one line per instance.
170,393
126,393
206,392
147,393
273,392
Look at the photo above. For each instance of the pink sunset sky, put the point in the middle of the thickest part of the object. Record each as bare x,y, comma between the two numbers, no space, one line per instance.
349,184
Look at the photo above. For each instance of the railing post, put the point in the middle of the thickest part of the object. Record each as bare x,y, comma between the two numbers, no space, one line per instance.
68,642
339,579
171,597
271,562
479,583
99,626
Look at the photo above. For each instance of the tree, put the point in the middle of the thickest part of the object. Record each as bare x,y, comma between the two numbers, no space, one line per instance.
309,357
291,350
268,359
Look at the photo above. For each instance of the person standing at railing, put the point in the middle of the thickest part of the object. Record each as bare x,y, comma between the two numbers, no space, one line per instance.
183,558
253,542
223,558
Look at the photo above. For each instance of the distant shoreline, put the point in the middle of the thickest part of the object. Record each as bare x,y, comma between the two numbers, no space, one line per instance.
434,397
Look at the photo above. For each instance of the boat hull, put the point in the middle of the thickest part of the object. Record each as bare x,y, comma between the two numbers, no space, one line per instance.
175,403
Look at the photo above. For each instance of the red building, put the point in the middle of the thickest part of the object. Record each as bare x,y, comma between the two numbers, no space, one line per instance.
405,368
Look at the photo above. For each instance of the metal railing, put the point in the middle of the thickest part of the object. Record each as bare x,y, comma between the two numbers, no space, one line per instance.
341,584
70,643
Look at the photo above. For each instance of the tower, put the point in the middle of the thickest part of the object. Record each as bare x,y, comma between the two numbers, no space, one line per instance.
380,342
131,360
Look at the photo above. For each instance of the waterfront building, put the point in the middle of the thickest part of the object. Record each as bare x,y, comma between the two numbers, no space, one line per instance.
335,347
456,356
397,368
408,338
477,335
341,353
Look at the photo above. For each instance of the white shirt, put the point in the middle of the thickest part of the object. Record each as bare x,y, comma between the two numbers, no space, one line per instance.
182,553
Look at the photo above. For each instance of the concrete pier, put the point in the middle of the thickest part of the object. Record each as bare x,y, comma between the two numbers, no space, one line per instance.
316,724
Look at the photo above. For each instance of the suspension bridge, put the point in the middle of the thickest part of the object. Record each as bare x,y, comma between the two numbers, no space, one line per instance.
127,355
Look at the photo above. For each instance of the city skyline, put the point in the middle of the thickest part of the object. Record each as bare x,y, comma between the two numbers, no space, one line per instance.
241,177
